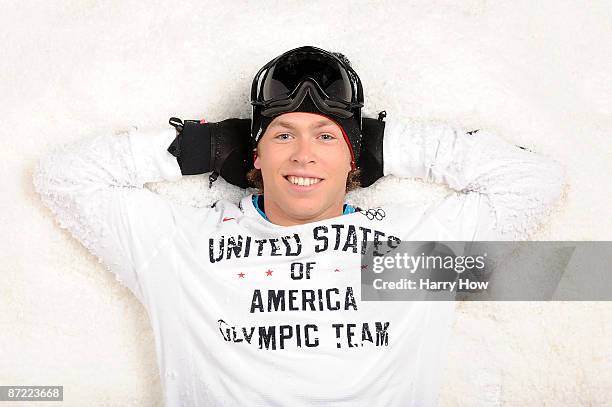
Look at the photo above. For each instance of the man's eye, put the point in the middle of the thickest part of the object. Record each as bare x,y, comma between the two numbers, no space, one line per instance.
327,136
283,136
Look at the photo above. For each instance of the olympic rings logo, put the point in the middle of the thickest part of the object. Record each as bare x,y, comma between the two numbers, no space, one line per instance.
376,213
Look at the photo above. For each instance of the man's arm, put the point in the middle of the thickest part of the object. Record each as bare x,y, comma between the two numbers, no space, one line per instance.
95,189
502,190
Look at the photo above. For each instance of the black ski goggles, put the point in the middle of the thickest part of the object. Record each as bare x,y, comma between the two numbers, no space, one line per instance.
281,85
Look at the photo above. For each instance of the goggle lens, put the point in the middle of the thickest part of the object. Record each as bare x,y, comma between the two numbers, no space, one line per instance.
289,71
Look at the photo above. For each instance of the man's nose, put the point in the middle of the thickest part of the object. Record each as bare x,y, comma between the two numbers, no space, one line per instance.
303,151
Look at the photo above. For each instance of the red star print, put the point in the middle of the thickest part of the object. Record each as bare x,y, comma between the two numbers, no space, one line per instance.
336,270
365,266
269,273
240,275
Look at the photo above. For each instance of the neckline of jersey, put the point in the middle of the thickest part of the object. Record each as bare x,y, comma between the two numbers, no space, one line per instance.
258,204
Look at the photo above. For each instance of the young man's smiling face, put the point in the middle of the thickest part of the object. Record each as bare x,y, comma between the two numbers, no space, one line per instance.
304,162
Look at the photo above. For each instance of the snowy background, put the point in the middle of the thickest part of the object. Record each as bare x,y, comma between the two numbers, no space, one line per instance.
537,73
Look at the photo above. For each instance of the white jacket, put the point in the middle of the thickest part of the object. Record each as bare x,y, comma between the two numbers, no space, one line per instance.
232,326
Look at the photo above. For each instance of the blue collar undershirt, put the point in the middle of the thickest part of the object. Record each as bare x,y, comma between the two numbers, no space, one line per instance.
258,203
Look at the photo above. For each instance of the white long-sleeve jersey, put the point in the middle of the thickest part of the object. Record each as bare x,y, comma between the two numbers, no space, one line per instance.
246,312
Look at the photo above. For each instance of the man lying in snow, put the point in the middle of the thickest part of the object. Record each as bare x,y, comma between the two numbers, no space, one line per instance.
279,321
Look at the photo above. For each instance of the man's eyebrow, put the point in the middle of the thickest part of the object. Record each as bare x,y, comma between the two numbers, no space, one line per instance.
289,125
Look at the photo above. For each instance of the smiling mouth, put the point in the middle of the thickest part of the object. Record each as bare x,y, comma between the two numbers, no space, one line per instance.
302,181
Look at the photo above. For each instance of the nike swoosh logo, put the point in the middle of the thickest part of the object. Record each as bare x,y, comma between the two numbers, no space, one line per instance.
224,219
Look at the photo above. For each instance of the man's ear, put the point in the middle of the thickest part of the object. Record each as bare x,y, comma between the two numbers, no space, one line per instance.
256,163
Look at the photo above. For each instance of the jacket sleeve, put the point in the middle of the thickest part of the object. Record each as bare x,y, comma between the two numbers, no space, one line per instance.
95,189
501,191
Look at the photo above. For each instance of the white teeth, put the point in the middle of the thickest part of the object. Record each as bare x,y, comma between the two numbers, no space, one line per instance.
303,181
